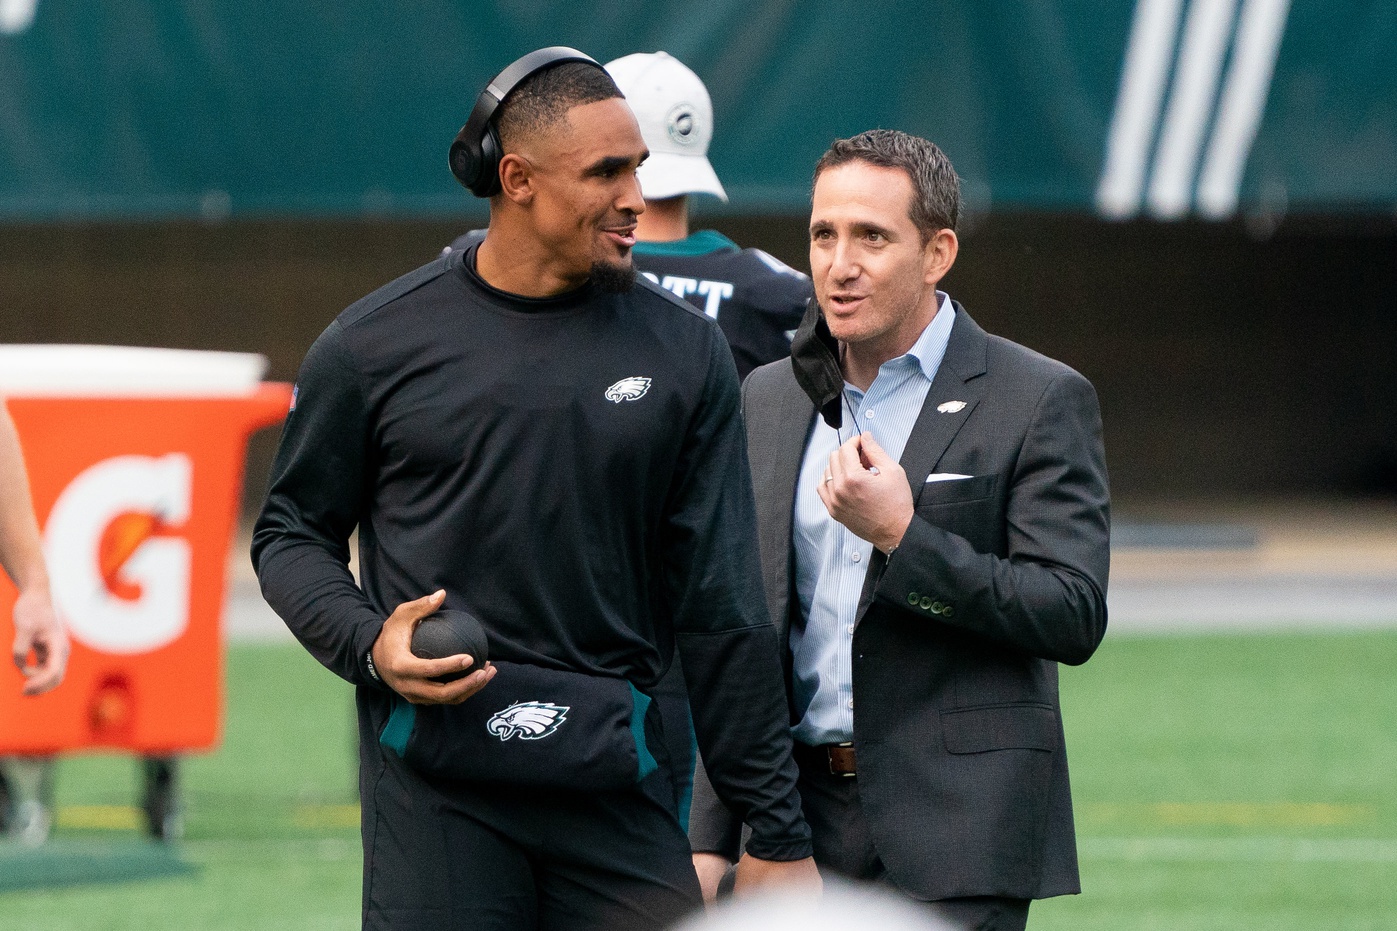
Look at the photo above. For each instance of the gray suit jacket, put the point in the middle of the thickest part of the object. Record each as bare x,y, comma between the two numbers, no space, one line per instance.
1000,577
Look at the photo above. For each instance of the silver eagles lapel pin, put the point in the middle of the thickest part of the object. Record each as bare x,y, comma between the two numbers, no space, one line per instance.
950,407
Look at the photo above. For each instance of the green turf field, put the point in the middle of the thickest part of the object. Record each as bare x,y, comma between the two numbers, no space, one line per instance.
1222,782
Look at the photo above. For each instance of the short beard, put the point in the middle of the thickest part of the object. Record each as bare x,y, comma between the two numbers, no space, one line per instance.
613,279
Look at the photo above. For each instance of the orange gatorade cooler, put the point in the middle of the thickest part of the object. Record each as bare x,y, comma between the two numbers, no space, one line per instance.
136,458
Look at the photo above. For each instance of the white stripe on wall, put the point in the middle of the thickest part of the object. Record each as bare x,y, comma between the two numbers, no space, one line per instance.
1243,102
1143,75
1206,31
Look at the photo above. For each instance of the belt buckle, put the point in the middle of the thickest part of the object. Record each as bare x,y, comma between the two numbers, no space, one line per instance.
829,760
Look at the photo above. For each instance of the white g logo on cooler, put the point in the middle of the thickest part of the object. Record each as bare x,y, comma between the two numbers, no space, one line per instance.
121,587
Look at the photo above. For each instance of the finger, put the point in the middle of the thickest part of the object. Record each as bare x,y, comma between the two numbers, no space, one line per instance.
875,454
24,641
44,676
400,625
41,654
849,459
449,693
415,667
836,466
470,685
823,490
415,610
43,680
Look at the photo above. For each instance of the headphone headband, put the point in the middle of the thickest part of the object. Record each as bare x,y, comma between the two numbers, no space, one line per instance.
475,154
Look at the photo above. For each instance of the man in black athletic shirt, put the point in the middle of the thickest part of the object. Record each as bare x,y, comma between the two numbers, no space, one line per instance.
527,431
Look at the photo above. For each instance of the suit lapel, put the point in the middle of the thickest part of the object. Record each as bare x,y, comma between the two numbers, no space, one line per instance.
958,386
950,401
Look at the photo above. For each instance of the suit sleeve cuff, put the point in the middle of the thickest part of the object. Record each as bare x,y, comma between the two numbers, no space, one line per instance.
909,580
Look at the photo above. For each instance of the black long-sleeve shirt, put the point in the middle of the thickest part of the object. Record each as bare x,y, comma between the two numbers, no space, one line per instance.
572,470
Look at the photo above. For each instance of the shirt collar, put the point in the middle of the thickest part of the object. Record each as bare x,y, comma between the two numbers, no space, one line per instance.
930,347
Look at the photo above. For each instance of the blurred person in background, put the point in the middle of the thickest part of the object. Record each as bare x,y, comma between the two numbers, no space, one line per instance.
934,518
40,645
757,300
528,430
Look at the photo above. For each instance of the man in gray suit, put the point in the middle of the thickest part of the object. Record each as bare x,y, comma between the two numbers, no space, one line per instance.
933,544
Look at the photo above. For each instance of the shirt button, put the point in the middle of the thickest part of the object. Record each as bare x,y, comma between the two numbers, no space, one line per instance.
856,557
851,704
868,415
851,628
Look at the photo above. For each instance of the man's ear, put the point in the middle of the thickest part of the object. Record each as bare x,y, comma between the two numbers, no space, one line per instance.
938,255
516,178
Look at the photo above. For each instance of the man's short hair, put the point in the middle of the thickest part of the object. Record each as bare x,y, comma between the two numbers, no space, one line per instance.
935,187
546,96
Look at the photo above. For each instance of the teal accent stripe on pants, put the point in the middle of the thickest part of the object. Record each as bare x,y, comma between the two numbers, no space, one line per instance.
684,772
645,760
399,727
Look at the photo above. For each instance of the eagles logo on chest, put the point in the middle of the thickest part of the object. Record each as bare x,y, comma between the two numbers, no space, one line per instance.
628,389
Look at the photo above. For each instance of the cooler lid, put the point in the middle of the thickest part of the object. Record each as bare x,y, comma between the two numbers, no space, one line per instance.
127,371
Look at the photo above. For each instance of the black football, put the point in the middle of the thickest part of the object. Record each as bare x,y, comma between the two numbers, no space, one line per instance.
449,632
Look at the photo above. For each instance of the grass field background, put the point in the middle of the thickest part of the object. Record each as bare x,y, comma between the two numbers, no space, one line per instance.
1222,782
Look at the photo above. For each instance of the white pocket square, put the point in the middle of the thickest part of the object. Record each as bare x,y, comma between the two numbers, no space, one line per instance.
946,477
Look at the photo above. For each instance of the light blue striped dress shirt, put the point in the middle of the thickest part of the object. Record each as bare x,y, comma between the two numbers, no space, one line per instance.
831,562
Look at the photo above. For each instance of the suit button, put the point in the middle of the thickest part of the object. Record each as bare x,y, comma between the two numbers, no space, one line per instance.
912,599
936,607
926,603
946,611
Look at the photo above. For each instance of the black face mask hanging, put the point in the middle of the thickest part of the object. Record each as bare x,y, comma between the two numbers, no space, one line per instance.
815,357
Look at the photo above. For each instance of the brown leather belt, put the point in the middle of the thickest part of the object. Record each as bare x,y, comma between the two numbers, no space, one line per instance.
835,759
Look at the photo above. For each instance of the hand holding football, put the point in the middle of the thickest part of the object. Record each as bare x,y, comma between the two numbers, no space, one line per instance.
450,632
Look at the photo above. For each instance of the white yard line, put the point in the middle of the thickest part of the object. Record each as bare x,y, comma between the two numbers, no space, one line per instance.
1240,849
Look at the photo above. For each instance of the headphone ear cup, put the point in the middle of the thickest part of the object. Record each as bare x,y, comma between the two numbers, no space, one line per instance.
487,177
475,155
463,165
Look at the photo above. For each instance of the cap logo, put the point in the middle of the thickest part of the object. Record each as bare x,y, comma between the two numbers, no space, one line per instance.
680,124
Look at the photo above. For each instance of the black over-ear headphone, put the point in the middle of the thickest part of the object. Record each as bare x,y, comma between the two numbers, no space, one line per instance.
476,153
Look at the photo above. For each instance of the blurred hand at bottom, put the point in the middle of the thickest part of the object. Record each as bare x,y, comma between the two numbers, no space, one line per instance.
754,875
711,868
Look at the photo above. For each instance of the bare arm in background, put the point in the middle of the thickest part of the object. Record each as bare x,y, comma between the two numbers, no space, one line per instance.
37,630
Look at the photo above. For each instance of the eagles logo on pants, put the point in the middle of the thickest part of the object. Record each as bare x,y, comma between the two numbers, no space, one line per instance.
529,720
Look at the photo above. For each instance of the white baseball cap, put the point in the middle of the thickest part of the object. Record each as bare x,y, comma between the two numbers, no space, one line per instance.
676,118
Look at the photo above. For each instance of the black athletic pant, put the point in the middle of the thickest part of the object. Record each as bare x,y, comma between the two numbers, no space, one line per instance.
449,855
671,698
843,845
